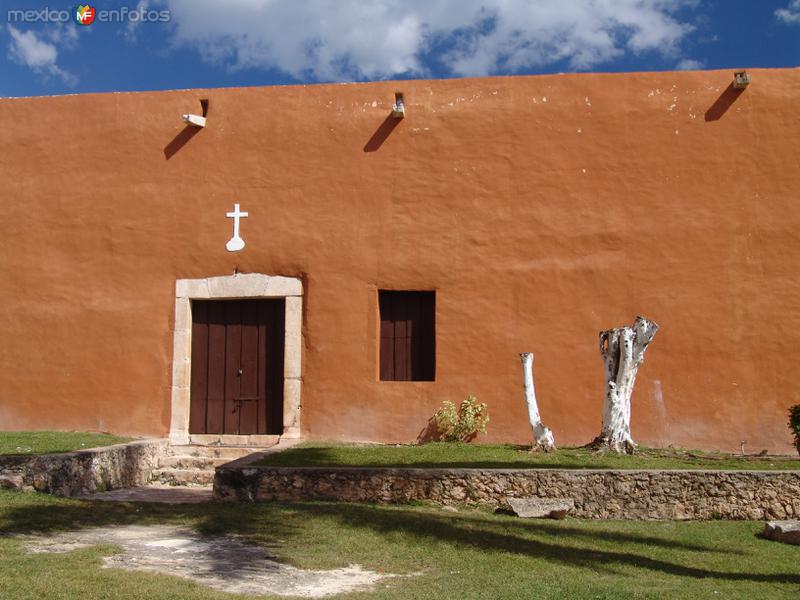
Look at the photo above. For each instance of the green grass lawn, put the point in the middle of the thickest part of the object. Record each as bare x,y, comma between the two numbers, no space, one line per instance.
463,555
441,454
48,442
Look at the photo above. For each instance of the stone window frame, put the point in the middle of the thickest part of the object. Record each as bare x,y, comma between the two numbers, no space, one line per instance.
240,286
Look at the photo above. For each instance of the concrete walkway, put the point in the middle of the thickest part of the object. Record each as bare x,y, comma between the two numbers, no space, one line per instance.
163,494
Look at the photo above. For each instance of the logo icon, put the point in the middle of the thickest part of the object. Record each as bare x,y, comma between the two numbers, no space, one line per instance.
85,14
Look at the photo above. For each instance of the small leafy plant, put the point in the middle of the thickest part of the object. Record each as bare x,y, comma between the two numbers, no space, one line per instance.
794,425
462,424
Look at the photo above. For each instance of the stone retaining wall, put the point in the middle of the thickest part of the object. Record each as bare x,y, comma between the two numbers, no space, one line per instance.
84,471
598,494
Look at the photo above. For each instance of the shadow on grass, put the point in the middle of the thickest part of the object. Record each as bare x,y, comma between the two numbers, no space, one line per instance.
47,514
562,531
467,533
265,523
31,513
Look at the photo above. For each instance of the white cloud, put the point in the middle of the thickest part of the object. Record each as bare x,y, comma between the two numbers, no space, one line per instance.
30,50
63,35
689,64
791,14
132,27
354,39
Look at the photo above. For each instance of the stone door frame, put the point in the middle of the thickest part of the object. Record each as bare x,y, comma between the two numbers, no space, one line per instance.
241,286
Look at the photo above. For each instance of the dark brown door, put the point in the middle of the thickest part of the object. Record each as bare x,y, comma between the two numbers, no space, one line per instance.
237,366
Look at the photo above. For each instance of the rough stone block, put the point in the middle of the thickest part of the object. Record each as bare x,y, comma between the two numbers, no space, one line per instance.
284,286
291,403
171,476
178,437
191,288
292,433
294,337
242,285
787,532
11,482
541,508
180,409
181,344
183,314
181,373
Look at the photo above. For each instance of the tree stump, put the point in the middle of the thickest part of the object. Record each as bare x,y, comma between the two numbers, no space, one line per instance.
542,436
622,350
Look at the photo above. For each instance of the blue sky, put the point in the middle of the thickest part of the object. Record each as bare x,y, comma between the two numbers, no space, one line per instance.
217,43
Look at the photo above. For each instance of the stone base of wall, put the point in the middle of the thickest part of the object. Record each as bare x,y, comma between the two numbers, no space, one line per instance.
598,494
85,471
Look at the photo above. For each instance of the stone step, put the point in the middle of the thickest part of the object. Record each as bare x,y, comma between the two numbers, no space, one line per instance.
170,476
257,441
227,452
157,492
191,462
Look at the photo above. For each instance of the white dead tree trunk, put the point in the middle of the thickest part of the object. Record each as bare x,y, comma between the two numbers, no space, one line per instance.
622,350
542,436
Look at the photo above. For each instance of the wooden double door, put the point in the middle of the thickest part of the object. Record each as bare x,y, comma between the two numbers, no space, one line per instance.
237,367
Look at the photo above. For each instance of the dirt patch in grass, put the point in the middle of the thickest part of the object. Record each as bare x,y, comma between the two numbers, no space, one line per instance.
223,563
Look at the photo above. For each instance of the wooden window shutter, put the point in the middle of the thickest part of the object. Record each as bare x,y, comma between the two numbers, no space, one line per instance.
407,335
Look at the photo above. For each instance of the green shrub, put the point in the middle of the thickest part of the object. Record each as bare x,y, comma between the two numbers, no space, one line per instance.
462,424
794,425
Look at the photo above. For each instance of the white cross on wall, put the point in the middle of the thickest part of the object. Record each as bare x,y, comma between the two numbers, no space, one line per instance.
236,242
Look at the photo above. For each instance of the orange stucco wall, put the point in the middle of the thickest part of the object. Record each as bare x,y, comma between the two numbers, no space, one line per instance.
541,210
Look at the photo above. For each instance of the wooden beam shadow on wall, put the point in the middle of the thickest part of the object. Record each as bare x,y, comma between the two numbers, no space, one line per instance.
380,135
180,140
723,103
